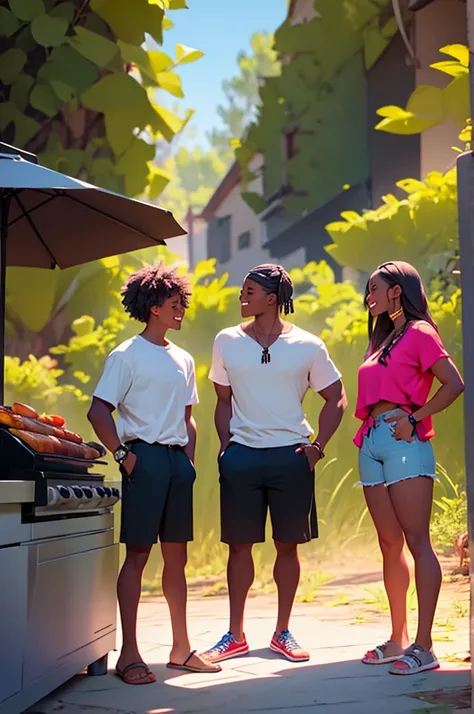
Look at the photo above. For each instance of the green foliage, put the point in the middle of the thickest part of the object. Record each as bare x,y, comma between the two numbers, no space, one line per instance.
421,228
450,520
78,88
196,174
429,106
322,85
242,92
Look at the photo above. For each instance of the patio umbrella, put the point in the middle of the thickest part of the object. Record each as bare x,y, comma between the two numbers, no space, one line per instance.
50,220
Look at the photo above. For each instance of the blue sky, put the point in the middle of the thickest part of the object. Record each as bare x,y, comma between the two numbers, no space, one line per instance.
220,28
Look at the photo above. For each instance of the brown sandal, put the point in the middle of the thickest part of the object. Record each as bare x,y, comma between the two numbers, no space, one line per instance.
122,673
207,668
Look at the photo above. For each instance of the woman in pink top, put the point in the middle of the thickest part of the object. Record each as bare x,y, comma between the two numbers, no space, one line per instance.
396,460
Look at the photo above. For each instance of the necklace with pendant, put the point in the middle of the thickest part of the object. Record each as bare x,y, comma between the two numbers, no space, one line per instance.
266,356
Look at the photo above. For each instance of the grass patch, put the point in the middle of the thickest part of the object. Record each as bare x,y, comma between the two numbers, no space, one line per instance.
310,586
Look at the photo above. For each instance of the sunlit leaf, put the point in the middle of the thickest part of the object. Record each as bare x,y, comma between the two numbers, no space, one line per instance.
99,50
186,54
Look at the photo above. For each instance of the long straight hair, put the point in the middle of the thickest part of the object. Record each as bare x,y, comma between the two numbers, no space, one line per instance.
413,301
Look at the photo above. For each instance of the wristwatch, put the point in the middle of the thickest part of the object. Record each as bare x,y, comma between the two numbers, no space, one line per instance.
121,453
412,421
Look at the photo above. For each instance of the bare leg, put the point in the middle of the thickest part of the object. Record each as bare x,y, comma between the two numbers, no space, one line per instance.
128,590
175,591
240,575
287,576
412,500
396,575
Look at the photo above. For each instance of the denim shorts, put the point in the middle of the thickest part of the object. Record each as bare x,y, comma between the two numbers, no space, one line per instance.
384,460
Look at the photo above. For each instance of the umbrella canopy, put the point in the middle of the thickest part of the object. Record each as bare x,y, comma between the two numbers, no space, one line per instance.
55,220
50,220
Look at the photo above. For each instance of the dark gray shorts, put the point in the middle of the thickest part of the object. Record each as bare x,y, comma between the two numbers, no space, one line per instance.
255,480
157,497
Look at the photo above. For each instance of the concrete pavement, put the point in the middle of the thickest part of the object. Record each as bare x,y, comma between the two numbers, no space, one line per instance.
333,682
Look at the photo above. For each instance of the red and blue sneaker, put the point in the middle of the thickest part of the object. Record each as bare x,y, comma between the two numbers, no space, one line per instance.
226,648
286,645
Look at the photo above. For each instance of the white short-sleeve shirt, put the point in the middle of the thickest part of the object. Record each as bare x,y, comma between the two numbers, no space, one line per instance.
267,398
150,386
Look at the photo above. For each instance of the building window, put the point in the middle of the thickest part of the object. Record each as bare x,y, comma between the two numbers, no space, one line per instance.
223,239
243,241
290,143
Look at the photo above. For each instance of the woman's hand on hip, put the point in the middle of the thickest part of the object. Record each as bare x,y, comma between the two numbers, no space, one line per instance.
403,430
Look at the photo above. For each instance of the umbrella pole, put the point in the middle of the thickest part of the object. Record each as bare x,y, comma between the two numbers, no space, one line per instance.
4,207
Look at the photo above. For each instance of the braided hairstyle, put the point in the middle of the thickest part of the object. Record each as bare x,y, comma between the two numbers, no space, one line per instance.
275,281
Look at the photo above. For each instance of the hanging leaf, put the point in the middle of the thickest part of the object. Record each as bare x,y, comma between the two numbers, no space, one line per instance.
177,5
137,56
159,61
20,91
8,22
168,123
167,23
62,91
186,54
130,21
68,67
454,69
459,52
41,284
45,100
93,47
49,31
11,64
65,10
25,128
170,82
133,166
26,10
158,180
119,92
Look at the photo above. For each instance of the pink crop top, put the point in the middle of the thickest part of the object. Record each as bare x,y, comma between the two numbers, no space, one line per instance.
406,380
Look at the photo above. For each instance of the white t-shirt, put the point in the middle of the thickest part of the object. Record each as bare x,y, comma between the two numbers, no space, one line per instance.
150,386
267,398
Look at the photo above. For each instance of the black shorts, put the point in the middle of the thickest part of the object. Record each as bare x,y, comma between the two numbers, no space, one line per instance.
157,497
253,480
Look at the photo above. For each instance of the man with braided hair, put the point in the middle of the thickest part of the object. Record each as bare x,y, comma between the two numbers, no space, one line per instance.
261,371
151,383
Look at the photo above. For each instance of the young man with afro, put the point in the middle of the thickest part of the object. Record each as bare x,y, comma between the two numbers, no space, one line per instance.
151,384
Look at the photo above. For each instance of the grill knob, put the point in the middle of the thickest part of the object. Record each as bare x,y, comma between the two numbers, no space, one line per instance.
100,491
87,491
108,491
116,492
78,492
64,491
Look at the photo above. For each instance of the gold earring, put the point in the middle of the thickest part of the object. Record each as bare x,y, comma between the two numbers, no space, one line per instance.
395,315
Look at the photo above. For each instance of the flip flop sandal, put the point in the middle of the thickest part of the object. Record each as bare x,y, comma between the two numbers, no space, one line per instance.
380,657
417,660
185,667
122,673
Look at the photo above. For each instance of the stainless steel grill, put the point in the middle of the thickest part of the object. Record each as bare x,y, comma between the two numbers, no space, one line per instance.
59,561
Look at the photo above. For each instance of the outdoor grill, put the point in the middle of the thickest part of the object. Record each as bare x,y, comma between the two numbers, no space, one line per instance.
59,558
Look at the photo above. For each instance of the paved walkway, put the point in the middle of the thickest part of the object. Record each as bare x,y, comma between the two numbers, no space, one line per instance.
333,682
